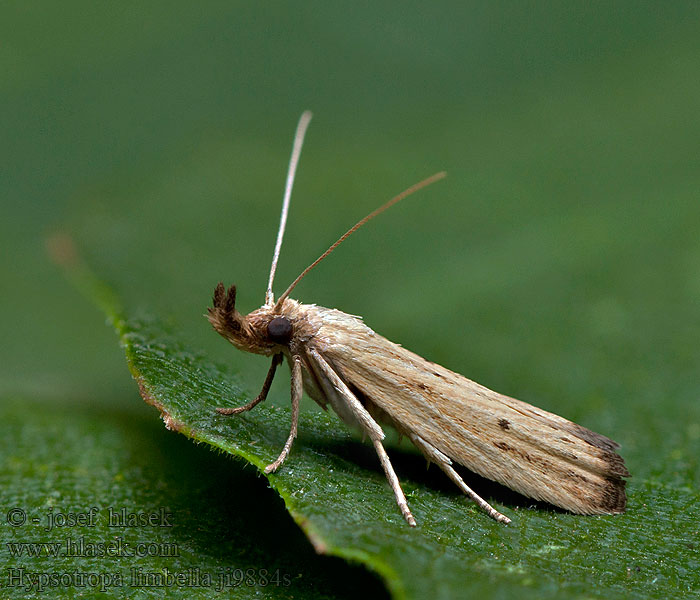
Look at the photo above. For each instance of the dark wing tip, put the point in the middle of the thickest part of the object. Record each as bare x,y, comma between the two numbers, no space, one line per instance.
614,498
594,439
608,447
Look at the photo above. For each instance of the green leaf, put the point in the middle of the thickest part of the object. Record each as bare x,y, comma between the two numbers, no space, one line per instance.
336,492
212,520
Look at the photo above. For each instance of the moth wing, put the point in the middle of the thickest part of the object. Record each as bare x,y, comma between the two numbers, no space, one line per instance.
530,450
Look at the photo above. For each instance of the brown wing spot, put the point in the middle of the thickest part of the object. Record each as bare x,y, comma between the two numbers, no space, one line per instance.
507,448
504,424
436,374
575,475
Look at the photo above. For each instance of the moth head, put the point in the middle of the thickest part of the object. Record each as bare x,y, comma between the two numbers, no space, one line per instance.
262,331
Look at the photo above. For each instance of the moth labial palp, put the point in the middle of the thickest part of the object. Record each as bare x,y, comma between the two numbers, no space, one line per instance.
367,379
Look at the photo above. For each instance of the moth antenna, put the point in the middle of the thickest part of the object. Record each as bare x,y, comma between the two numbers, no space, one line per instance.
407,192
291,172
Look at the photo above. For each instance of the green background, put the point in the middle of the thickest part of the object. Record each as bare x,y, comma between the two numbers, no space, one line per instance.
558,263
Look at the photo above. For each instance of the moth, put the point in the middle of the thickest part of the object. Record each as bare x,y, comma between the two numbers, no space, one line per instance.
370,382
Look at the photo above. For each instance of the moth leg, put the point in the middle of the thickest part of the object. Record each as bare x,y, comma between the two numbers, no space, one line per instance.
440,459
394,483
276,360
370,427
297,390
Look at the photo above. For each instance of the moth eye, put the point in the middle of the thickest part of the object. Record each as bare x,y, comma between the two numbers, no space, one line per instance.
279,330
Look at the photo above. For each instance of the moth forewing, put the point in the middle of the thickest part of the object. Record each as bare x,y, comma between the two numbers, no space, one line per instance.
532,451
